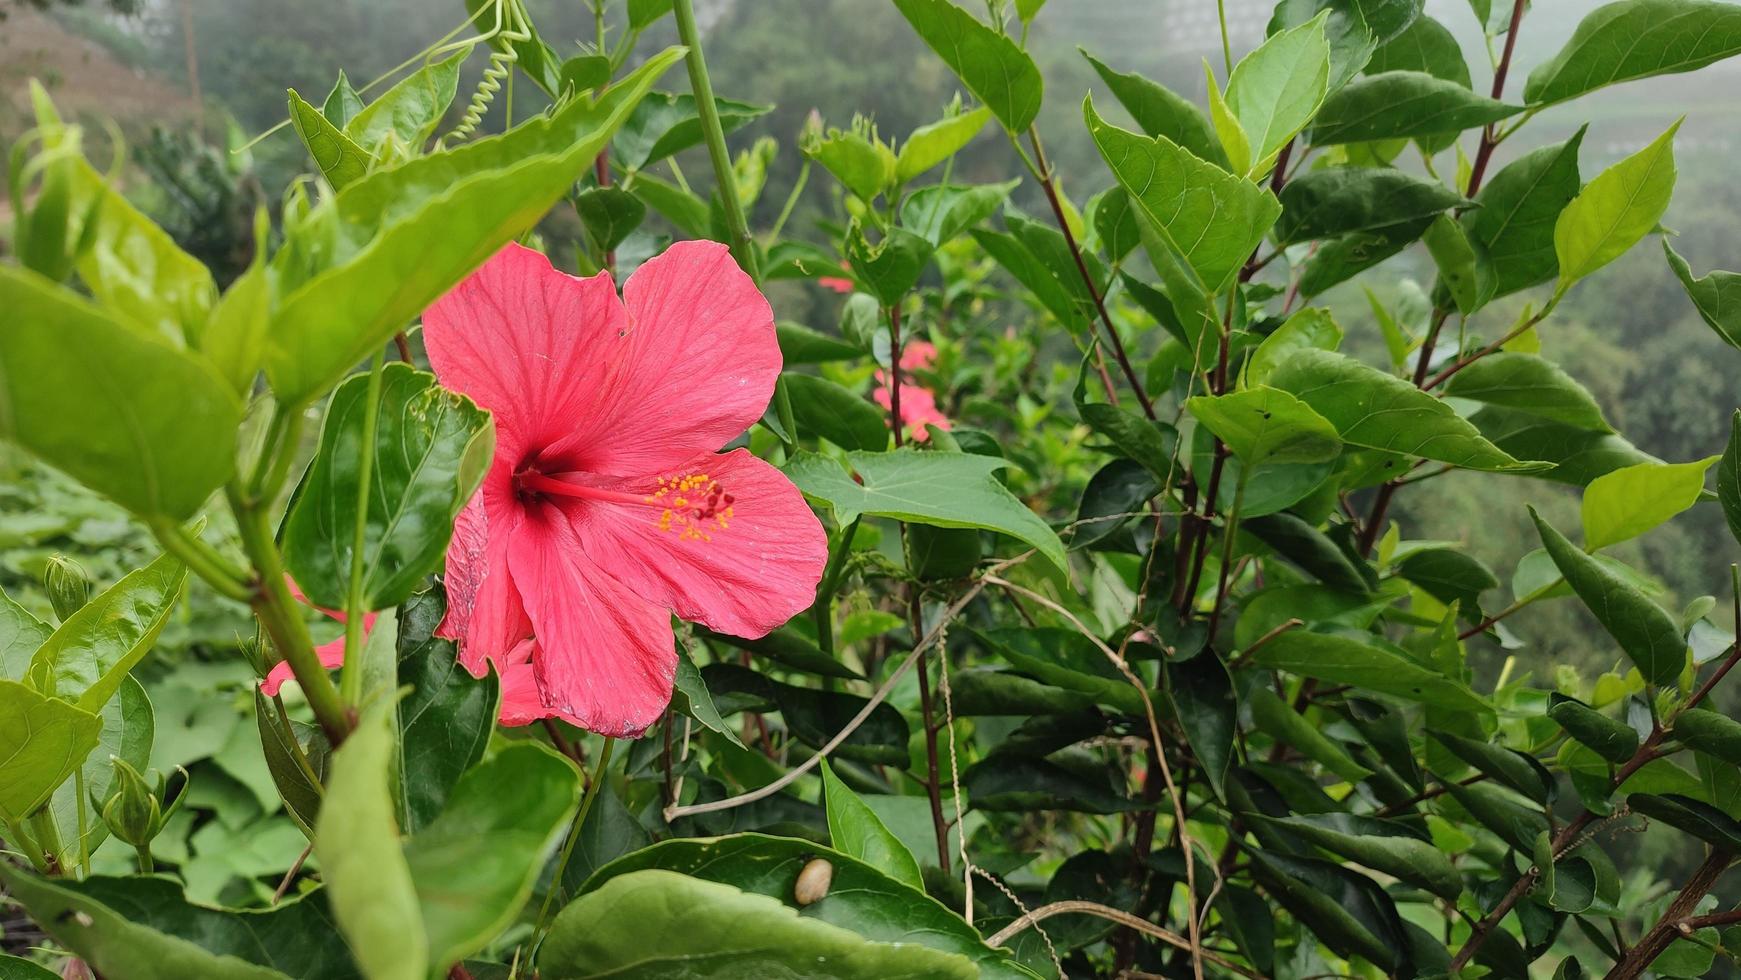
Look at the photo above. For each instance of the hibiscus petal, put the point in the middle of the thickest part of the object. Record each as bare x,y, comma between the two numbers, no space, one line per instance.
605,658
701,366
746,571
484,610
332,657
537,347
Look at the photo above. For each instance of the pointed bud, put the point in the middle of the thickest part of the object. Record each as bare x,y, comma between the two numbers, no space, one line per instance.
131,811
69,588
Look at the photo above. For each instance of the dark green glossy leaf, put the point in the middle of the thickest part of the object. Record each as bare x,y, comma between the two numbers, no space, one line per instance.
830,411
1203,700
1349,912
790,649
1398,104
1066,659
1510,767
1516,822
1613,740
1711,733
1021,784
1578,455
1340,659
1339,259
664,123
1356,28
432,448
1312,550
1649,636
814,717
1695,817
1282,723
1114,495
1729,477
891,268
1527,383
1449,575
986,691
609,832
1383,845
610,215
1339,200
1514,223
445,720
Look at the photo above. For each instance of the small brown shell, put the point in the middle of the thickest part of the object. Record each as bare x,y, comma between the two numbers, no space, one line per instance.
813,882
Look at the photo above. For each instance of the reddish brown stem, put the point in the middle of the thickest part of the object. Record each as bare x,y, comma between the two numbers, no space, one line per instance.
1676,920
933,789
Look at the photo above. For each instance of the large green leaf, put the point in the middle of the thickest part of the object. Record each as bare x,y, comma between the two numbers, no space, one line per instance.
446,719
356,840
339,158
1159,111
431,450
862,899
42,742
1527,383
1613,740
1356,28
141,928
1632,39
1349,912
1263,424
1717,296
1365,663
855,829
707,929
475,865
130,416
1338,200
842,417
1615,209
360,266
128,728
1578,455
21,633
1275,90
1068,660
89,656
1514,224
1272,716
411,109
1203,699
1648,635
942,211
1213,219
1382,845
1400,104
1630,501
991,65
939,489
1380,411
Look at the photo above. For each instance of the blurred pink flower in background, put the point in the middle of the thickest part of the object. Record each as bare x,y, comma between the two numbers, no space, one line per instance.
918,404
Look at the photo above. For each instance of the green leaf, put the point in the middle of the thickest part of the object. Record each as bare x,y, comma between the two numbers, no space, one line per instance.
1158,111
930,145
1628,502
395,240
1578,455
991,65
141,928
42,741
1275,90
1613,740
1717,296
943,211
790,648
1385,846
1399,104
1508,767
1649,636
298,787
133,418
813,717
609,832
88,657
1695,817
1465,275
1338,259
1228,130
1709,732
235,339
476,864
1068,660
987,691
1729,477
1303,544
802,345
339,158
680,207
20,635
1001,784
1369,664
690,696
342,103
1213,219
1514,223
663,124
446,719
939,489
1273,717
891,268
863,166
13,968
1356,28
645,13
1349,912
128,728
411,109
1449,575
1045,280
1527,383
702,930
1203,700
855,829
1312,327
1264,424
1380,411
1339,200
830,411
356,840
1619,42
432,448
1427,46
862,898
610,215
1614,210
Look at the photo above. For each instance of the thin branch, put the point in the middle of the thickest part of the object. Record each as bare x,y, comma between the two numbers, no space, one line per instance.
1123,918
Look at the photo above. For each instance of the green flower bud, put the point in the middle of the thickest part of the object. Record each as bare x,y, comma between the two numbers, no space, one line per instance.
69,588
131,811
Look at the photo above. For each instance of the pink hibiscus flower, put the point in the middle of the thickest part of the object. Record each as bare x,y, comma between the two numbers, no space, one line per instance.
835,283
332,655
608,506
918,405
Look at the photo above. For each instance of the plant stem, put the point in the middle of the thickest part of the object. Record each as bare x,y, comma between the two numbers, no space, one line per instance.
592,785
714,134
47,838
823,611
1048,183
1674,918
146,865
933,787
276,610
351,679
226,579
1490,136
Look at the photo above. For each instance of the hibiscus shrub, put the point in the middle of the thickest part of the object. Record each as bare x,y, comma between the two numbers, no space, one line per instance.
1045,620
